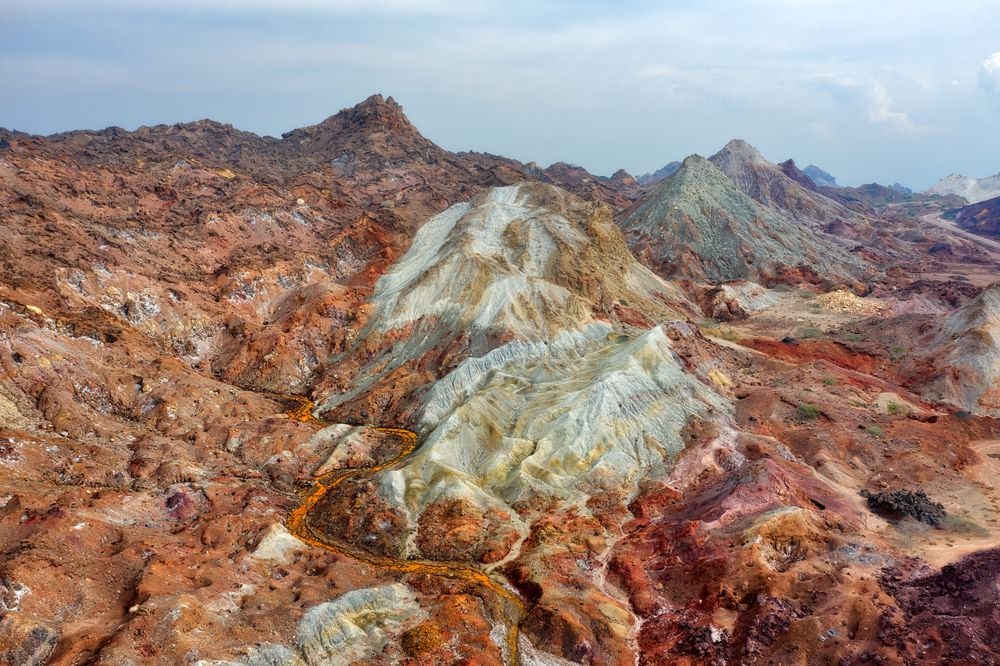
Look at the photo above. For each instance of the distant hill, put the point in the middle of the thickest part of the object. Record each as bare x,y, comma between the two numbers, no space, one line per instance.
973,190
820,177
658,175
698,224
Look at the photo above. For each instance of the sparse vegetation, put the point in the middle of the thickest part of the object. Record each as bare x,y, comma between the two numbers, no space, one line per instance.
829,381
898,352
875,431
807,412
896,409
807,332
710,327
849,336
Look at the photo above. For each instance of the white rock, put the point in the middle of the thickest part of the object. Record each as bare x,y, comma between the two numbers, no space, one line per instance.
356,625
278,544
586,413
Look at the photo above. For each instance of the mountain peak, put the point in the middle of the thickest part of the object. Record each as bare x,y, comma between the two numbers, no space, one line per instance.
625,178
374,115
790,169
770,185
972,190
697,166
740,148
376,128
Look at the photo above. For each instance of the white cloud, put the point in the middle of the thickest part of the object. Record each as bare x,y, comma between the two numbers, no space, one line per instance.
870,97
818,77
881,112
989,75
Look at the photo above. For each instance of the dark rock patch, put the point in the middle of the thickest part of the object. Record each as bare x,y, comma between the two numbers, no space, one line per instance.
898,504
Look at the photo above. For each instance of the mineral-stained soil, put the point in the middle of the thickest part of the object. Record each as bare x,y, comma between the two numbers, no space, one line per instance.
206,338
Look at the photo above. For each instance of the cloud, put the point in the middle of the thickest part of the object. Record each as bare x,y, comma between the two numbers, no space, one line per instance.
880,111
643,82
989,76
871,98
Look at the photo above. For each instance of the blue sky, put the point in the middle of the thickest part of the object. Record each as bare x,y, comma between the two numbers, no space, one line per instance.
891,91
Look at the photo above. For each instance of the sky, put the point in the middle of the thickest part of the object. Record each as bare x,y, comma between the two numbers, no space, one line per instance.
892,91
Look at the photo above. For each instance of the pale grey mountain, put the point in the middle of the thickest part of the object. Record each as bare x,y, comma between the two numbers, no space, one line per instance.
698,224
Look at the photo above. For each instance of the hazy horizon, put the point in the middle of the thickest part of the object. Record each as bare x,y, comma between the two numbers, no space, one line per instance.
900,92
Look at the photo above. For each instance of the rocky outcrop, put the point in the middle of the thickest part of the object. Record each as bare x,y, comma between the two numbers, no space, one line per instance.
790,169
736,300
980,218
964,350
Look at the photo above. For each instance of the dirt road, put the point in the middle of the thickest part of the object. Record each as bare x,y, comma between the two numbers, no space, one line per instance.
941,223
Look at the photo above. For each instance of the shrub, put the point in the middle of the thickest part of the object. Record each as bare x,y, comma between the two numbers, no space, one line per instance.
829,381
875,431
807,412
896,409
809,332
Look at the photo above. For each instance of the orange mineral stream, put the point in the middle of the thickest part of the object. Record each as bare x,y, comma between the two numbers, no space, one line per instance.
508,606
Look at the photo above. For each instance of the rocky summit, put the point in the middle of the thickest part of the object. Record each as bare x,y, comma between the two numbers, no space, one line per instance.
347,397
766,183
